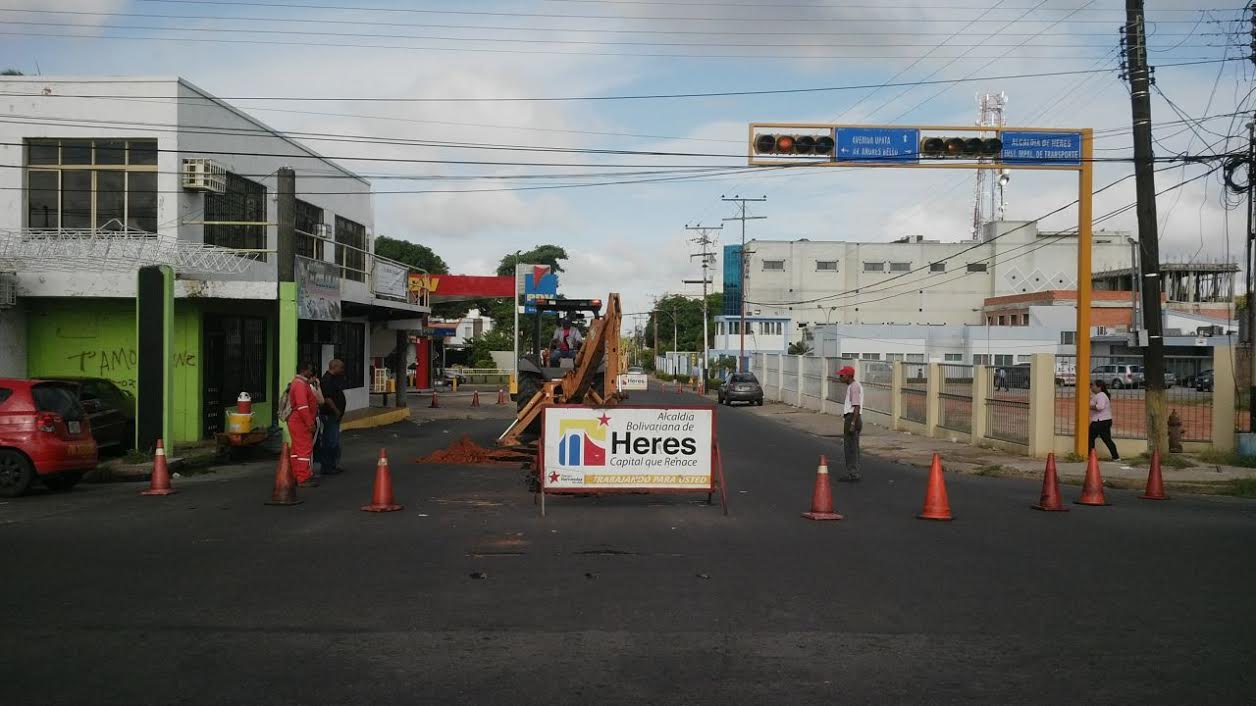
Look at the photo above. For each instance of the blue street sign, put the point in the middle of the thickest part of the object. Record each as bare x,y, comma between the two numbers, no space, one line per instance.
878,144
1058,149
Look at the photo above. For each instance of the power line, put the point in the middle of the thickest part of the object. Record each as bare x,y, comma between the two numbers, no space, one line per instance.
882,285
654,96
559,16
489,50
581,30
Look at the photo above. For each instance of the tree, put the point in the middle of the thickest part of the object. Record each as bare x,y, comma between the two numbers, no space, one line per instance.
688,316
540,255
418,256
11,72
480,348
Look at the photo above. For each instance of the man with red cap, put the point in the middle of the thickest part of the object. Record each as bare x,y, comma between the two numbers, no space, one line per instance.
852,423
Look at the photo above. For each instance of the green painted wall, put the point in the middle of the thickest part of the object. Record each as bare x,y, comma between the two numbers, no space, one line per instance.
96,337
287,338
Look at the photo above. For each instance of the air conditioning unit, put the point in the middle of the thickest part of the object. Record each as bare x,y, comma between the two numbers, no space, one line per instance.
8,290
322,230
204,175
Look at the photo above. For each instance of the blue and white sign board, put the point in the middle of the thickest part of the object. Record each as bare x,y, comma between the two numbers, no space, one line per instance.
1056,149
877,144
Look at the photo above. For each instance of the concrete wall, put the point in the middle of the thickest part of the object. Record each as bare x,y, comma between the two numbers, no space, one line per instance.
1015,264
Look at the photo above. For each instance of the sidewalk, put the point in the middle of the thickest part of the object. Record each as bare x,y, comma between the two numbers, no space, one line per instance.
912,450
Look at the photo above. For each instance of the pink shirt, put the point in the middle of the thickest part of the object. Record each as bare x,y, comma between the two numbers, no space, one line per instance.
1100,407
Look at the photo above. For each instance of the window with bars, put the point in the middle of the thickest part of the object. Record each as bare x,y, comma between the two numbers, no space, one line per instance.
106,184
900,267
874,267
1002,359
937,267
351,249
977,267
953,357
981,359
243,353
826,265
236,218
1068,338
309,217
350,342
773,265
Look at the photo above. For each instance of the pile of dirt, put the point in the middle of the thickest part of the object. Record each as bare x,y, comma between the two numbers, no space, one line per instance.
467,452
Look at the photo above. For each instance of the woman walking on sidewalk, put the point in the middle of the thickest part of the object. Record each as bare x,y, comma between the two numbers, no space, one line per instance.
1101,417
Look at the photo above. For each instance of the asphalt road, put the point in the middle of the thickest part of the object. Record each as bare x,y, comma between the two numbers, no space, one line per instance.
209,596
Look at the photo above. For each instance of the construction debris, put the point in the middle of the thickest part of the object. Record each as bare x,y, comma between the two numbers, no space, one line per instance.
464,451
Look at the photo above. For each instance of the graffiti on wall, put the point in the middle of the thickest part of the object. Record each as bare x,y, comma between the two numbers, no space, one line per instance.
118,364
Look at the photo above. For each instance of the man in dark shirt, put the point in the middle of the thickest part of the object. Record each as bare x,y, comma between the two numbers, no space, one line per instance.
333,386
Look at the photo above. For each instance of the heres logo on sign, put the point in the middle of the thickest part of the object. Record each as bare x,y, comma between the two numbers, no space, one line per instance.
579,442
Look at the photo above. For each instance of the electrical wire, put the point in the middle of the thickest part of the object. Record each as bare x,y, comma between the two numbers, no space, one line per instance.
654,96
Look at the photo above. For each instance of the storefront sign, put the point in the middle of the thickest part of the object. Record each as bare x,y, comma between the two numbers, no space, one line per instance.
389,279
628,448
318,290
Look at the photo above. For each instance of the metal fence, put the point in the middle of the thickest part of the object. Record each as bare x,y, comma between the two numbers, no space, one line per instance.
1188,393
914,397
1007,407
956,398
878,385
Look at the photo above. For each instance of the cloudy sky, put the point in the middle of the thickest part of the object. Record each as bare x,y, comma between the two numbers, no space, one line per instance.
630,236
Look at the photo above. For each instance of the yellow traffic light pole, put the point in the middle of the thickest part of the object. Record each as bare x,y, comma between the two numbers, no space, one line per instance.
1085,194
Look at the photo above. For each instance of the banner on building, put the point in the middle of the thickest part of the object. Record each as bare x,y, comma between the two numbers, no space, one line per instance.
318,290
389,279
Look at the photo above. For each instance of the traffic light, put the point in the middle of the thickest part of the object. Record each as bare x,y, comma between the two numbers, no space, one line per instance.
960,147
804,145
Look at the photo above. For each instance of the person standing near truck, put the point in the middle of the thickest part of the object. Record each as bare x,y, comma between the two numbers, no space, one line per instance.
852,424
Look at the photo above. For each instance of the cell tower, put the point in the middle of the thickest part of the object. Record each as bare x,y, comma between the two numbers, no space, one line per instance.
989,203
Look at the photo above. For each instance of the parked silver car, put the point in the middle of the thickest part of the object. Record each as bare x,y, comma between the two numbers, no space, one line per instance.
1119,376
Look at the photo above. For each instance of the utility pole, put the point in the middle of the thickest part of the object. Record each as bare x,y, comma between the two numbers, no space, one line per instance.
1251,278
1139,75
743,216
704,239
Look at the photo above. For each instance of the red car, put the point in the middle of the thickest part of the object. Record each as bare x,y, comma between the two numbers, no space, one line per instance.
44,433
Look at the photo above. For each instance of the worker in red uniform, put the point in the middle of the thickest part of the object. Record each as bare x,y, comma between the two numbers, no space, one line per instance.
305,398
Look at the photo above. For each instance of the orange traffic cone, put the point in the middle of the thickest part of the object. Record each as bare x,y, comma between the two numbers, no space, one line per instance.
1050,500
285,492
822,496
937,507
160,483
1155,481
434,404
1092,487
382,499
501,396
475,399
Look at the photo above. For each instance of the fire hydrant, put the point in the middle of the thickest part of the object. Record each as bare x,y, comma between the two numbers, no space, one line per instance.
1175,432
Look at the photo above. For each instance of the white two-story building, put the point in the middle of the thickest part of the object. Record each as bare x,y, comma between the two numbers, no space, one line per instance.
99,177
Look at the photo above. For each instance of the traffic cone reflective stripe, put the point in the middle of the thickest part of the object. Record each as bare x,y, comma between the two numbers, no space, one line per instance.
285,492
1155,480
160,481
937,506
1092,488
1050,499
822,496
382,498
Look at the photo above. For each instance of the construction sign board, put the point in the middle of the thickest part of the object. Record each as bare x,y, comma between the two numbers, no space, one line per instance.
629,449
628,382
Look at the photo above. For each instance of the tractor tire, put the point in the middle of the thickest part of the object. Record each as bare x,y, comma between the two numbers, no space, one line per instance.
529,385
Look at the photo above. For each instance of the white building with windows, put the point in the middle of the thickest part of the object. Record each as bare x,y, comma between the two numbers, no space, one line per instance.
913,280
99,177
764,334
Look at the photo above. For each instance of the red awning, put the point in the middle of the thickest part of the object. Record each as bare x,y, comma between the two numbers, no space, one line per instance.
462,287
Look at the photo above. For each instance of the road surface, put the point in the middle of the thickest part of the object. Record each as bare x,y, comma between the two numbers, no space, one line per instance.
209,596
